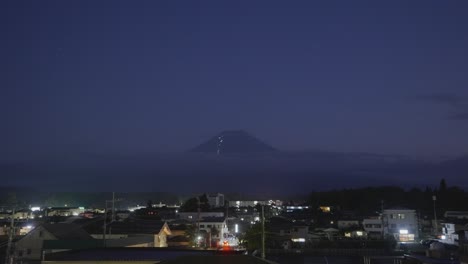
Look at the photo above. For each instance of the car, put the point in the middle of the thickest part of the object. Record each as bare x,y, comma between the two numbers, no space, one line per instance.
428,242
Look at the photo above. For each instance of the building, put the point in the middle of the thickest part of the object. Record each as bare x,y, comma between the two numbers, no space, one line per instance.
193,216
456,215
155,232
239,204
373,227
287,232
348,224
216,227
402,223
30,247
65,211
216,200
22,214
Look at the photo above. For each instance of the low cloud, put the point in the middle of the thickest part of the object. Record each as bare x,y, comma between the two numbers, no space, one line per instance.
458,103
443,98
459,116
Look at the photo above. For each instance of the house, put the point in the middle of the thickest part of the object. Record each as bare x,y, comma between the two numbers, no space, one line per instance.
122,214
216,227
22,214
179,237
348,224
4,215
30,247
351,228
65,211
157,230
287,231
450,232
373,227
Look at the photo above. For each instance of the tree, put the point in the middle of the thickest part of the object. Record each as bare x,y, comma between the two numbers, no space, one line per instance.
191,205
12,199
442,186
214,231
252,239
191,234
149,204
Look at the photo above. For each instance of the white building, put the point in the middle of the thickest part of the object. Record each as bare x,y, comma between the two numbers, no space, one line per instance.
399,222
65,211
193,216
216,200
218,224
373,227
448,233
239,204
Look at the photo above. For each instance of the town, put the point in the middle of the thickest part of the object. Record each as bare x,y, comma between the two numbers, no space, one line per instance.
419,225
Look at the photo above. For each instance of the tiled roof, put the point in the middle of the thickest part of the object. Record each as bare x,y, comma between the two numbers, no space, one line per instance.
67,231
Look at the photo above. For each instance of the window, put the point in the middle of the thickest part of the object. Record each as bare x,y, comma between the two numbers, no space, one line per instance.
208,225
189,217
20,253
41,233
202,226
393,225
28,251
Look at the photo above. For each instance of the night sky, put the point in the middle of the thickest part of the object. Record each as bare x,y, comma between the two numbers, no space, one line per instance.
384,77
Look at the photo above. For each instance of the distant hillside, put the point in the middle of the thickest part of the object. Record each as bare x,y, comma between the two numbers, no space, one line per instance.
233,141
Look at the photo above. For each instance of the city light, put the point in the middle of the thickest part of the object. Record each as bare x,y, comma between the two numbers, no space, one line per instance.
403,231
302,240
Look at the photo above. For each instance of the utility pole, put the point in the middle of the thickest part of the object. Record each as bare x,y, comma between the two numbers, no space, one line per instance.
10,237
105,225
198,220
113,207
382,218
263,232
112,216
434,198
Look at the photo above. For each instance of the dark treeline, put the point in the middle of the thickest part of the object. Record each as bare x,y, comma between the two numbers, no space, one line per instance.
371,199
23,198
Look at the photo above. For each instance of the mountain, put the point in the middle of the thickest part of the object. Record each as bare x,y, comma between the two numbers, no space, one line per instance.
233,141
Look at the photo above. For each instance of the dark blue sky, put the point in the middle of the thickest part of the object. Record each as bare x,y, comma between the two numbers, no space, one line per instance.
158,76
